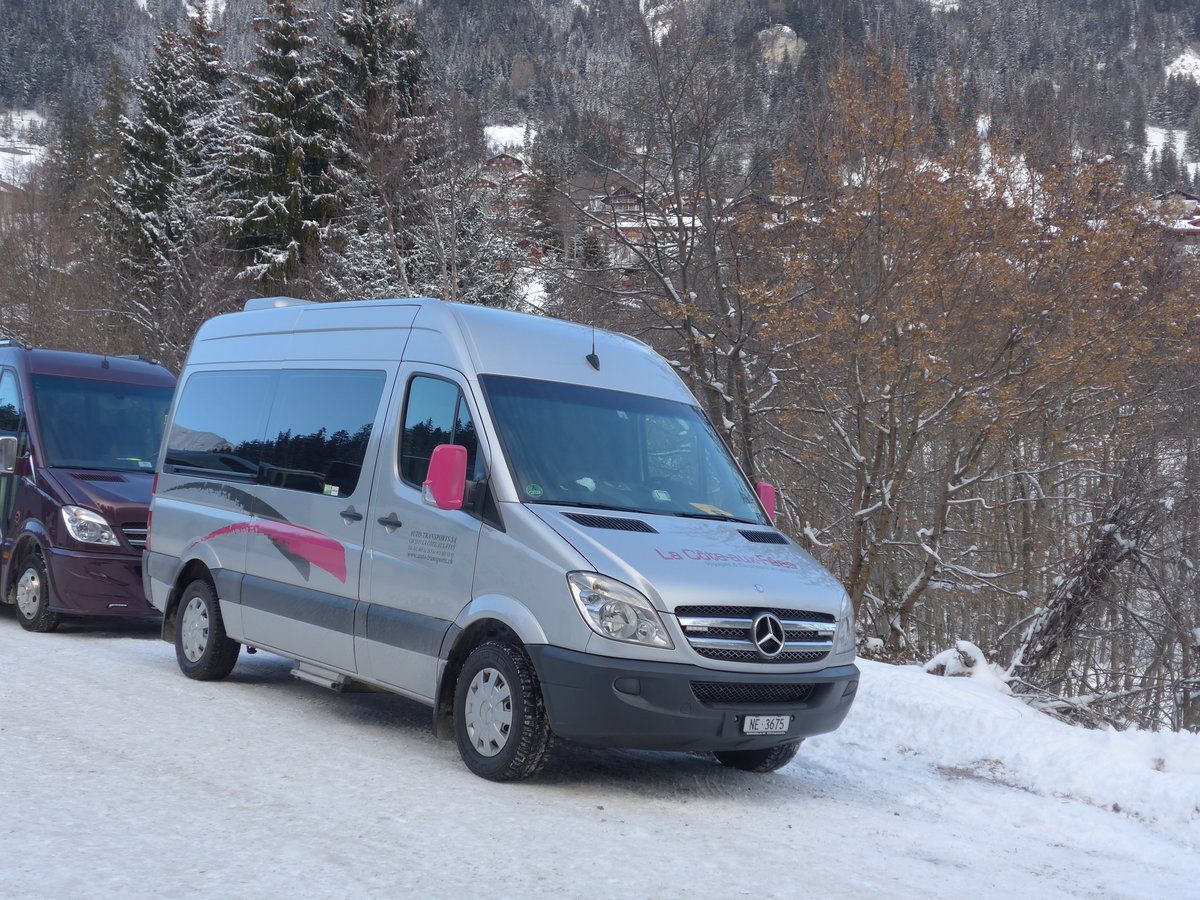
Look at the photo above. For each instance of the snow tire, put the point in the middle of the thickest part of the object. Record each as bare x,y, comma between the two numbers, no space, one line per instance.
202,648
500,720
765,760
30,594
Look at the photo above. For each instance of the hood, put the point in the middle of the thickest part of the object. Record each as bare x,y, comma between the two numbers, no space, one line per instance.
121,497
679,561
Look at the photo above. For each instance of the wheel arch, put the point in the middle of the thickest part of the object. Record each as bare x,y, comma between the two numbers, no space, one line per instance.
488,618
188,572
28,539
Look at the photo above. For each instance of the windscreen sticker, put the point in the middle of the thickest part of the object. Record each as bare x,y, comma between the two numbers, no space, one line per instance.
534,491
710,510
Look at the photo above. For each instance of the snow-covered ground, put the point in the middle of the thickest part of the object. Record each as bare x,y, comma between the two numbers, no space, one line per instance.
1157,138
17,154
507,137
1185,65
121,778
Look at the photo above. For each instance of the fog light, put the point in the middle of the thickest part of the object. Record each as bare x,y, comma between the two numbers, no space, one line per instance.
628,685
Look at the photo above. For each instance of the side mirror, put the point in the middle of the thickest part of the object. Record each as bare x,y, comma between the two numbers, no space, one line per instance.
8,455
446,482
766,496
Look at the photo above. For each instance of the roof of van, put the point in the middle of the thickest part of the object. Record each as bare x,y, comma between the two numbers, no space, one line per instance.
472,339
88,365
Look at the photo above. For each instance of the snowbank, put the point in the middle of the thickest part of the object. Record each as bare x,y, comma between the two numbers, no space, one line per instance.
966,728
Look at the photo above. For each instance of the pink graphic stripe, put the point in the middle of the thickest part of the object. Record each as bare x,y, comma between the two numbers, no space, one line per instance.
318,549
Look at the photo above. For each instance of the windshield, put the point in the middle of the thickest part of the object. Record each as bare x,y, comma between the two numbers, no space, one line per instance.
89,424
580,446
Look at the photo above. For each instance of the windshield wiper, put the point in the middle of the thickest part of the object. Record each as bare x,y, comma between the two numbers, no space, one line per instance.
582,505
714,517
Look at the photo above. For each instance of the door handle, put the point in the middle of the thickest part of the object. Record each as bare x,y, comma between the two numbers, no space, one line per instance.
350,515
389,521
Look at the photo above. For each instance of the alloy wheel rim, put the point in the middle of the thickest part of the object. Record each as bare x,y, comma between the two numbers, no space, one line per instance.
29,592
194,629
488,711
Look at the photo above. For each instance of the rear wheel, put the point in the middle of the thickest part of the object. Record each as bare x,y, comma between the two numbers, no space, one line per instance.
765,760
31,595
499,718
202,648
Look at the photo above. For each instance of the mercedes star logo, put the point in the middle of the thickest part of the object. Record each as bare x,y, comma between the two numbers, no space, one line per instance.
768,635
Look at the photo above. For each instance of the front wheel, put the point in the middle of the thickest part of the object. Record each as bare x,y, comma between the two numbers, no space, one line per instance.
499,719
202,648
766,760
31,595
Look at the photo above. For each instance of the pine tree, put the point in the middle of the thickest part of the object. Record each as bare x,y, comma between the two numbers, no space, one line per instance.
379,79
106,124
289,165
1193,136
164,234
1169,171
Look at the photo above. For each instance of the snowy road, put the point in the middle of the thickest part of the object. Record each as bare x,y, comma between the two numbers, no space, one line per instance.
121,778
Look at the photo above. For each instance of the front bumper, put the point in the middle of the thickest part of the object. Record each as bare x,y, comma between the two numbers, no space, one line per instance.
655,706
97,584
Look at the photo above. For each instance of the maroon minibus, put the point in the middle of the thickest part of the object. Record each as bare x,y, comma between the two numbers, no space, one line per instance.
79,434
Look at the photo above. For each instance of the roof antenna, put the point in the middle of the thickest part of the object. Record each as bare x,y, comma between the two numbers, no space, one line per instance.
592,358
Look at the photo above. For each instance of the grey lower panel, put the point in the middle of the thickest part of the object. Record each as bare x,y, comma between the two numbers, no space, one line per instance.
405,630
311,607
160,566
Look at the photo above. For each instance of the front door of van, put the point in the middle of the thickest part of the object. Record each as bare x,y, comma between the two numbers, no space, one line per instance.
304,547
419,560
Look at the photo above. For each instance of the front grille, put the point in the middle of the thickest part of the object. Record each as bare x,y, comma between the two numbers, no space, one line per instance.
135,533
726,633
758,694
753,656
751,611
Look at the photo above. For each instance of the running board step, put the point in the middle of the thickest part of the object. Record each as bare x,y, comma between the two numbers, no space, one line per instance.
318,675
327,678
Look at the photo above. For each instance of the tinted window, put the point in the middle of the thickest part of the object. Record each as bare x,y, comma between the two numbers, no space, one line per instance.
10,403
220,421
88,424
318,431
436,413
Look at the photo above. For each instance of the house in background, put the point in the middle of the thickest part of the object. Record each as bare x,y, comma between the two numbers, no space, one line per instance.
1179,213
12,198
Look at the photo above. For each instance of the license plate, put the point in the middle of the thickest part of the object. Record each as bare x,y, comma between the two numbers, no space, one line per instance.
766,724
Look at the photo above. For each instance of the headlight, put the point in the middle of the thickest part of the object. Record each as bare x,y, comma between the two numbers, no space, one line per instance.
617,611
89,527
843,642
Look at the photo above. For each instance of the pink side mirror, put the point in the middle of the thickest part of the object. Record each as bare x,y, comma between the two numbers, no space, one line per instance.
447,479
766,496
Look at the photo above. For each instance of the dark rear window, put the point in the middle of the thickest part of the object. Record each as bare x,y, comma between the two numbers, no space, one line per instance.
304,430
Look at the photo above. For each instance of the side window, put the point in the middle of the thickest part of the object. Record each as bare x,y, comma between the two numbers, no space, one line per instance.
435,413
220,422
10,404
318,430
